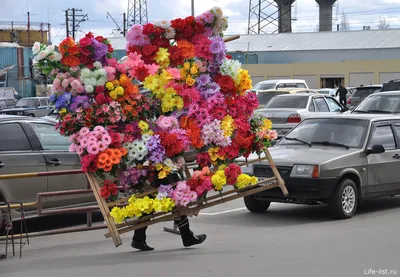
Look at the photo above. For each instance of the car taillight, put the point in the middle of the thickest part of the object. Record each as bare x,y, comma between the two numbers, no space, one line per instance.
349,101
294,118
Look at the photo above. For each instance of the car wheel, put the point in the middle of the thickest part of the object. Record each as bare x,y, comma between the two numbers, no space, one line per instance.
344,201
31,115
254,205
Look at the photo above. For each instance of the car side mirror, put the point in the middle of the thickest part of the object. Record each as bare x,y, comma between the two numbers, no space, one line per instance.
376,149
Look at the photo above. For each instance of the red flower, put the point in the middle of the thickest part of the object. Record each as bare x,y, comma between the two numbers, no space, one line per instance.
99,39
84,42
141,73
229,57
85,51
115,139
83,59
172,144
100,89
203,159
89,35
104,192
148,29
110,48
232,172
226,83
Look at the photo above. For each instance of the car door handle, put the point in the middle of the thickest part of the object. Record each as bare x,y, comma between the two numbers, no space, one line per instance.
2,164
54,162
396,156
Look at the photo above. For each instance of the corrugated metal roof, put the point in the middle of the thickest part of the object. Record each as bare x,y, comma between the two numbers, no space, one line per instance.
371,39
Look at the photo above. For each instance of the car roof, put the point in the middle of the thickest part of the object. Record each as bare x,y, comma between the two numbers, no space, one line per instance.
290,90
368,117
5,117
395,92
282,80
302,94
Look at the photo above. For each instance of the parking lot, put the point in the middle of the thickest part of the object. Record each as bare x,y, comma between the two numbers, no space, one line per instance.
288,240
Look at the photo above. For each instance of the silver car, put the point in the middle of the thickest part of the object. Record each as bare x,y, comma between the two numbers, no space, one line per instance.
30,106
387,102
33,145
338,160
288,110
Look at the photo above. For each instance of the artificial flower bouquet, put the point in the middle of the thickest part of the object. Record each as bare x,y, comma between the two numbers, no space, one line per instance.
198,99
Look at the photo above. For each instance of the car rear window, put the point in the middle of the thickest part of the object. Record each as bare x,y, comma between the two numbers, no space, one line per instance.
292,101
365,91
260,86
264,98
391,86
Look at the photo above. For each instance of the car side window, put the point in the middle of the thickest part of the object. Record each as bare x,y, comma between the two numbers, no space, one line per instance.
311,107
15,140
383,135
49,137
335,107
43,102
397,127
11,102
301,85
3,104
321,104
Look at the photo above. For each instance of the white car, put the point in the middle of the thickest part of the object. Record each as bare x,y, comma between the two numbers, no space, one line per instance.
279,84
287,110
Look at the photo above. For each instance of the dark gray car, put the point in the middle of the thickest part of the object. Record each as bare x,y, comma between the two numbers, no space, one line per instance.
339,160
33,145
361,93
380,103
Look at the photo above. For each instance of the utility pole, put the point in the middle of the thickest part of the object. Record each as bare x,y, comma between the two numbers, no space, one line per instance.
66,23
72,21
192,7
125,24
29,28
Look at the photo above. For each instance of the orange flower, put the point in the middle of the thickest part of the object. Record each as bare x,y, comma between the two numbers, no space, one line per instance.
124,80
123,151
71,61
109,152
117,153
187,49
190,81
65,44
103,157
100,165
108,163
115,83
184,122
115,160
107,168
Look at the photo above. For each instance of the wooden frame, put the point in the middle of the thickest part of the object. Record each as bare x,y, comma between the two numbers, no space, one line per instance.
114,230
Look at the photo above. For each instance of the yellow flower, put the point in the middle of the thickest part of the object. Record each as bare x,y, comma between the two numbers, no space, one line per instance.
149,132
218,180
213,152
190,81
63,111
245,180
170,91
267,125
118,214
159,166
109,86
193,70
162,174
178,102
167,169
222,167
113,94
162,55
151,82
227,125
143,125
186,65
120,91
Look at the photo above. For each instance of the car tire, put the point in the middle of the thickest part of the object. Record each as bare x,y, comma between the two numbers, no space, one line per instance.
254,205
344,200
31,115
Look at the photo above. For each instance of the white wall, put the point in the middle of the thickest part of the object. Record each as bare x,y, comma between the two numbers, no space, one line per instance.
361,78
311,80
385,77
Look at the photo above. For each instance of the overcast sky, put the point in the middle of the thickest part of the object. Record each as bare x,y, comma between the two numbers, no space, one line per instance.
358,13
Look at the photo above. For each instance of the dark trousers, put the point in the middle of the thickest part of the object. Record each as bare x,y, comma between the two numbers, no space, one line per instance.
343,102
182,223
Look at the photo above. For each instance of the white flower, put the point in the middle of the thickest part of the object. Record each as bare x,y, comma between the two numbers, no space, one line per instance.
230,68
146,163
101,82
170,33
36,48
97,65
163,24
102,72
217,11
50,48
146,137
89,88
85,73
171,164
55,57
42,55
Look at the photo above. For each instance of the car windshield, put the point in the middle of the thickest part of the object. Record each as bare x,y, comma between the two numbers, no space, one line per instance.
323,91
264,86
290,102
28,102
329,131
365,91
380,103
264,98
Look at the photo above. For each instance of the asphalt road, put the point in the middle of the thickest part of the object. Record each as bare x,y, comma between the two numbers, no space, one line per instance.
288,240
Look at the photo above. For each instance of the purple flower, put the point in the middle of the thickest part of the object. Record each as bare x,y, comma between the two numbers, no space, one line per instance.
212,68
100,50
217,45
208,17
131,177
202,80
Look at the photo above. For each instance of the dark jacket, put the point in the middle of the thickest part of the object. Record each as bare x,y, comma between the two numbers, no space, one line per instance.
342,91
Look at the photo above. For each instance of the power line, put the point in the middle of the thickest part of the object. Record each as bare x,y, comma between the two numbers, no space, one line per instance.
73,18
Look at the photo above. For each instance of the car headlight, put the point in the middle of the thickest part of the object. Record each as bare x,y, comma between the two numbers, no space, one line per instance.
305,171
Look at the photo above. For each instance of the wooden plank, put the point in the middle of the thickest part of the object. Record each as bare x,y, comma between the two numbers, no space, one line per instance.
276,172
104,209
187,211
16,206
231,38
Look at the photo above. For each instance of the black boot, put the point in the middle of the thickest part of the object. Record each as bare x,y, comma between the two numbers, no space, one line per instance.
188,238
139,240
